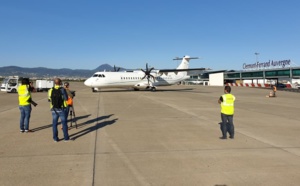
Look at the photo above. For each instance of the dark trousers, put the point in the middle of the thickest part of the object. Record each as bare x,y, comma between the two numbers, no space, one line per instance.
227,125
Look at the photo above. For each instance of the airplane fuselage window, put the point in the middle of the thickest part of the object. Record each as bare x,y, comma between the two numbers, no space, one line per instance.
133,78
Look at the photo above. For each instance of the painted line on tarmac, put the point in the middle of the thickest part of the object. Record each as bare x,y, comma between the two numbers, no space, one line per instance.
17,107
140,178
259,139
96,137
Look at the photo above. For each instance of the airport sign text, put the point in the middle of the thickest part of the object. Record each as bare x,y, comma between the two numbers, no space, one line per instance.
268,64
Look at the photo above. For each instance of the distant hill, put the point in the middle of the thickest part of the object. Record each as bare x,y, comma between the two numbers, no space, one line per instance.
41,72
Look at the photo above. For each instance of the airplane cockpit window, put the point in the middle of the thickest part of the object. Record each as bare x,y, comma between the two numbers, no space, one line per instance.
98,75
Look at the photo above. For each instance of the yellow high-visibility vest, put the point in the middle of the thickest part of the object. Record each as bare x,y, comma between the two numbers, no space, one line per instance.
227,106
24,95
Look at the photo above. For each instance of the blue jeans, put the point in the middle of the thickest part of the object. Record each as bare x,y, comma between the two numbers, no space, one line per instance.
227,125
67,109
25,117
59,113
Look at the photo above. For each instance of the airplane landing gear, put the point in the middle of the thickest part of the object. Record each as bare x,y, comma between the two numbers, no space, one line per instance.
153,89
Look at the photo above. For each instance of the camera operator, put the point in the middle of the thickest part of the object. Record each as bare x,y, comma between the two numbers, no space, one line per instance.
31,87
71,95
25,101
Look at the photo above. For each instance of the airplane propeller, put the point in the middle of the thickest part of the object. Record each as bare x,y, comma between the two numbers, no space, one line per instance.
148,73
116,69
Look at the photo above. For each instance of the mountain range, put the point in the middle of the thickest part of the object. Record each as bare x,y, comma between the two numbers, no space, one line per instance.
41,72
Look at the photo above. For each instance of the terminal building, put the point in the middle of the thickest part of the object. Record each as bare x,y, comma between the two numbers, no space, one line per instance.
279,73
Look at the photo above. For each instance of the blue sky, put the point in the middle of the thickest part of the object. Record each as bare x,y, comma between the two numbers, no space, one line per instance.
85,34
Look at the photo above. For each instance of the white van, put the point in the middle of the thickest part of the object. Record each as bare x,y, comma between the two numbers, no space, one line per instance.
10,84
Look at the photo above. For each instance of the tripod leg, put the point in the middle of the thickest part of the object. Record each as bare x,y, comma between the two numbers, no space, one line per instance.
74,118
71,118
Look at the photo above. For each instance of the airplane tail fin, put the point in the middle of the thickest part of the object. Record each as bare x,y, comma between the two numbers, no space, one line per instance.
185,61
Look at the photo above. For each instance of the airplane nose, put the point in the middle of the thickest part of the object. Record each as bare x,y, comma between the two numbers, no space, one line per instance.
88,82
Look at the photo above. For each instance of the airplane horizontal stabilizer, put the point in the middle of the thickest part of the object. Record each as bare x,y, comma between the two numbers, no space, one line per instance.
181,58
181,70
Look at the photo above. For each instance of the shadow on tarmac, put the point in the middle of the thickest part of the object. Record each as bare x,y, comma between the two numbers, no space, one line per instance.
87,130
93,128
50,125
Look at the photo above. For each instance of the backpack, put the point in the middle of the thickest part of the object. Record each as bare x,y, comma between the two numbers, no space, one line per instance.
57,98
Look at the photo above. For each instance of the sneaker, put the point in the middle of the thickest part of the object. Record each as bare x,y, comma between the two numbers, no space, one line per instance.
231,137
21,131
223,137
55,141
28,131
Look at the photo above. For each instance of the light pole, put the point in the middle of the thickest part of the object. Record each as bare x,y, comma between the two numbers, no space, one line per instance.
256,54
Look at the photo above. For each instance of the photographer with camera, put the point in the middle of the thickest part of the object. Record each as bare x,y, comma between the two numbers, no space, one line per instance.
70,107
25,102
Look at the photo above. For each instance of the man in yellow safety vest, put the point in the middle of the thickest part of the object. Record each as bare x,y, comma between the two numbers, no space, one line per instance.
57,97
24,105
227,110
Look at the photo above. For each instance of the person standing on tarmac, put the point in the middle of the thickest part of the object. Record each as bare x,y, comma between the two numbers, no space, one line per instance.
31,87
227,110
70,98
274,90
57,97
24,105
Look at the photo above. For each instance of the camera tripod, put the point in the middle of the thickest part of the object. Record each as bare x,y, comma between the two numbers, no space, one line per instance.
73,117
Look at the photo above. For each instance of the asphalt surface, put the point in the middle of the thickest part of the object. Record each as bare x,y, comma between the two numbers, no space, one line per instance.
167,137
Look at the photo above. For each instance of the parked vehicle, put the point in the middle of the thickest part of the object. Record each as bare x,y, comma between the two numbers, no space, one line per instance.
10,84
281,85
43,85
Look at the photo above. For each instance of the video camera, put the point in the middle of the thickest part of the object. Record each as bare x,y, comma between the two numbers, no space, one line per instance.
32,102
73,93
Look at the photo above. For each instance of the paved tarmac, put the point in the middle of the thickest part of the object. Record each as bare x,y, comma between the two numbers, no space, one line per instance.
168,137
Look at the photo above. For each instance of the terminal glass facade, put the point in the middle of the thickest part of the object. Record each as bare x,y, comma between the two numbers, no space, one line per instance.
233,75
278,73
252,74
296,72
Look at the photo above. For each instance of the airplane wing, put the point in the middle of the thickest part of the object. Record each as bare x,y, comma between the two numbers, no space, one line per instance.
166,71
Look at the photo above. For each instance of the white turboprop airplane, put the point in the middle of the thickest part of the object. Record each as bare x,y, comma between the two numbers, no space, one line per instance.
141,79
